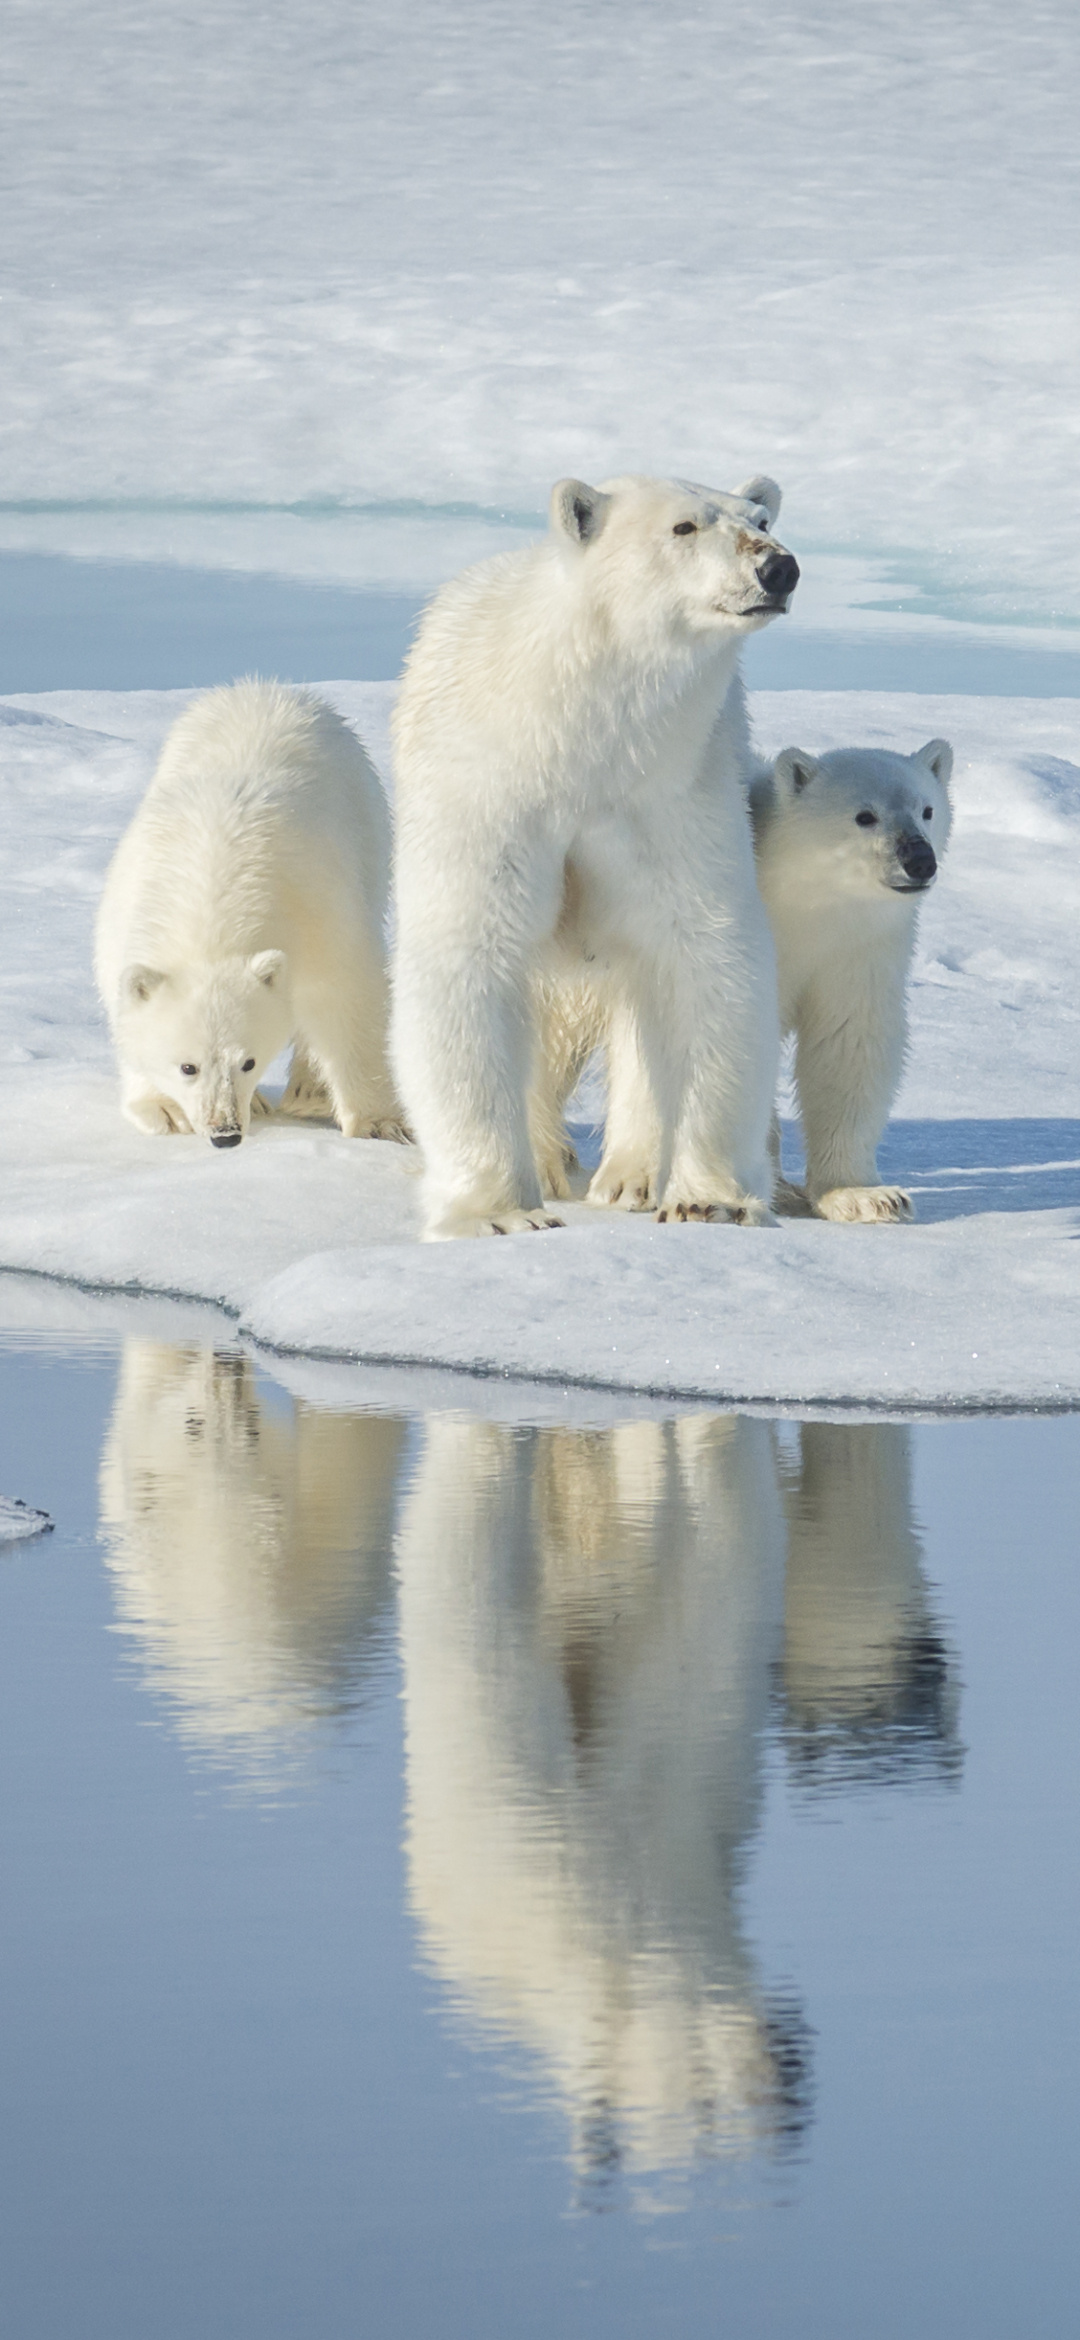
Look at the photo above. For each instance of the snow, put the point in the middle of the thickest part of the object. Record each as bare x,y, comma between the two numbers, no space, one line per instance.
309,1241
18,1520
346,257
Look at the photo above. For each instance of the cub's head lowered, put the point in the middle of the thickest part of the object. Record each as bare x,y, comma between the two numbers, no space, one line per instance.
203,1038
868,819
668,559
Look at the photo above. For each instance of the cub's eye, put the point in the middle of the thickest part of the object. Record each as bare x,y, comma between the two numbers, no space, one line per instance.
685,528
248,1064
189,1071
867,820
928,812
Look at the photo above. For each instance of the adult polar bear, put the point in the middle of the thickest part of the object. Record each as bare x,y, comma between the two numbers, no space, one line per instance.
567,801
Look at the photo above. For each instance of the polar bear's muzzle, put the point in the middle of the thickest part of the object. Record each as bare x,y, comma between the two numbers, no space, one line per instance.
778,575
917,863
226,1137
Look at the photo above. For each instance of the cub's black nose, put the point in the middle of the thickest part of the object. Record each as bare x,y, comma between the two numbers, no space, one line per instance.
225,1137
778,574
917,859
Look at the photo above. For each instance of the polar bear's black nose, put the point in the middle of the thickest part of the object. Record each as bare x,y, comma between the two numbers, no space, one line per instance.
778,574
917,859
225,1137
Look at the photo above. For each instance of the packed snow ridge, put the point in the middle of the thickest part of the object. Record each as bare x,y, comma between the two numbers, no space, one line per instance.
309,1238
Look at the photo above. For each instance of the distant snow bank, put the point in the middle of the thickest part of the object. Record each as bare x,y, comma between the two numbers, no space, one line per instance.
451,254
310,1241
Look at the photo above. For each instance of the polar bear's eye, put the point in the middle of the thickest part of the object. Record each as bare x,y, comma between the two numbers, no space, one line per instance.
685,528
189,1071
248,1064
867,820
928,812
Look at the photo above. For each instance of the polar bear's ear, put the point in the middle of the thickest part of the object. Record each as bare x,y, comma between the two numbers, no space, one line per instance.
937,756
577,510
762,490
140,983
268,967
794,770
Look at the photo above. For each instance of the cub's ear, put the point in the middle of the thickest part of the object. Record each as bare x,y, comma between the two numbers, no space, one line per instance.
268,967
578,511
793,771
140,983
762,490
937,756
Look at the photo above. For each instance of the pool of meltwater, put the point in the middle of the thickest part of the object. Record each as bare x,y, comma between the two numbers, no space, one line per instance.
516,1869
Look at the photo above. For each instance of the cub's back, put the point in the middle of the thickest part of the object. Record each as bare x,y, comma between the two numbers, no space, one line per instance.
262,795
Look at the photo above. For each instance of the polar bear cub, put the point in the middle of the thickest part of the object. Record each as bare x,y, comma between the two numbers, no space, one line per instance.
244,908
565,805
847,845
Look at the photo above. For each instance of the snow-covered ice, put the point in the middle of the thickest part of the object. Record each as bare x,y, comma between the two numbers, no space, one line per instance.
442,255
310,1240
17,1520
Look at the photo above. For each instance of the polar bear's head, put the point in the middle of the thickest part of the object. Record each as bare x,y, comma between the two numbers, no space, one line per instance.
875,819
202,1037
668,560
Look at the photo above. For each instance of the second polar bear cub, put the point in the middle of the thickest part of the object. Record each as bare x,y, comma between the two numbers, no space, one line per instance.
243,909
846,846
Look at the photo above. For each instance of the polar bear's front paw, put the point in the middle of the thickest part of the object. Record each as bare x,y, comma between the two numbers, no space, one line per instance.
747,1211
261,1107
865,1205
622,1185
158,1116
501,1223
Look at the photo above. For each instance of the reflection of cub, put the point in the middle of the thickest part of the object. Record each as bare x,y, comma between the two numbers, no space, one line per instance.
867,1686
249,1543
589,1623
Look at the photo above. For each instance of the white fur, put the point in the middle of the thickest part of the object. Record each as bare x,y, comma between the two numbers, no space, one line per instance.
243,909
570,812
844,937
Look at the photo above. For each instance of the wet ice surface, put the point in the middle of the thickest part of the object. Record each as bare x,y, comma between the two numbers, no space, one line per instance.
428,1830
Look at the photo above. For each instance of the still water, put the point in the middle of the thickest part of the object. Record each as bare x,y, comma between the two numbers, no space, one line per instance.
483,1873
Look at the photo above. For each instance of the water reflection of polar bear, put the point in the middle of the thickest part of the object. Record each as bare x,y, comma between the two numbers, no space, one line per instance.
249,1542
590,1624
869,1690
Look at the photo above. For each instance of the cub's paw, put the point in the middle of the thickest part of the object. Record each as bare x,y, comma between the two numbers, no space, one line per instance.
865,1205
158,1116
553,1170
748,1211
792,1202
261,1107
364,1125
622,1185
306,1095
502,1223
